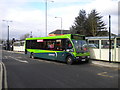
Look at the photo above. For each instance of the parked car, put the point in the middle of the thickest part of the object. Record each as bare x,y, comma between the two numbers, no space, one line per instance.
92,46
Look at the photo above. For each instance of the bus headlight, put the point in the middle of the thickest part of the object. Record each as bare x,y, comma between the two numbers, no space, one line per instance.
77,57
88,56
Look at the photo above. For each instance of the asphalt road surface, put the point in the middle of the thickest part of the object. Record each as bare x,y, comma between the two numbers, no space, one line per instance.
24,72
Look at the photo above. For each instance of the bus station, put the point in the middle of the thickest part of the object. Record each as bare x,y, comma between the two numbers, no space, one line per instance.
99,48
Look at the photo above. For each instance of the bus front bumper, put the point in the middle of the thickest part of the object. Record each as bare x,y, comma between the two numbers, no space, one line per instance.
82,58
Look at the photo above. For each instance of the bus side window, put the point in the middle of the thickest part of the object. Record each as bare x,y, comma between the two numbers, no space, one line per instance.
64,44
69,44
58,45
50,46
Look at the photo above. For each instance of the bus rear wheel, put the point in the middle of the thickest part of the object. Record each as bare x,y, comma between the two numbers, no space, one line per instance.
32,56
69,60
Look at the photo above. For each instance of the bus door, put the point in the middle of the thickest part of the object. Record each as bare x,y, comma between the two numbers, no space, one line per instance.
60,49
65,48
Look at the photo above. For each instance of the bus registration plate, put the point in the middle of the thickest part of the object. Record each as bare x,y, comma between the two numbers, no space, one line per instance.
83,60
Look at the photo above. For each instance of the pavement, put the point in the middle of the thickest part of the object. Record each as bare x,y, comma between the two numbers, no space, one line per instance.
106,64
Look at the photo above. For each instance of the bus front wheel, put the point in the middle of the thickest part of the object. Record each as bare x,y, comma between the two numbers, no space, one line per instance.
69,60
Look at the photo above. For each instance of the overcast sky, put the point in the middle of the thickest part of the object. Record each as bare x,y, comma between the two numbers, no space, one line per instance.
29,15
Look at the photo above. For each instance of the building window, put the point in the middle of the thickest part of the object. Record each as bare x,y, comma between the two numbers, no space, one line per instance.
118,43
93,44
105,44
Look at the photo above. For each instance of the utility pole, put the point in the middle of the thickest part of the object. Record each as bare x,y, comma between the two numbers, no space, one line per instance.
8,44
46,16
109,38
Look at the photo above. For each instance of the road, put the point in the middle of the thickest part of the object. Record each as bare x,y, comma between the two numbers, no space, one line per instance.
24,72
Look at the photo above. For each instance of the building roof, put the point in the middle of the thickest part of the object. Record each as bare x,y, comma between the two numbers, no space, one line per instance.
59,32
104,33
102,38
112,37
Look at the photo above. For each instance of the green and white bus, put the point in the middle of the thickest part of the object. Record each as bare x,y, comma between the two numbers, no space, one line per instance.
67,48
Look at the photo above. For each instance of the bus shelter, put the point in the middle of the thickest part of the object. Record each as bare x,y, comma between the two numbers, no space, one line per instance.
99,48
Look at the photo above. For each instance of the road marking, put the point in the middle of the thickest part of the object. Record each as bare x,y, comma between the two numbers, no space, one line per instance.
18,60
21,52
5,76
104,74
6,57
1,75
10,51
19,57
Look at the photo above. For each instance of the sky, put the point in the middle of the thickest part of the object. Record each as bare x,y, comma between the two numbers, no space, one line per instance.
29,15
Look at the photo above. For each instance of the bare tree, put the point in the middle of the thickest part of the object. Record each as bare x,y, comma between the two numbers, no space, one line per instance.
23,37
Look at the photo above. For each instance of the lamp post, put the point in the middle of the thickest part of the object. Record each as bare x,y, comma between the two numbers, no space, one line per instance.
46,15
61,23
8,44
109,38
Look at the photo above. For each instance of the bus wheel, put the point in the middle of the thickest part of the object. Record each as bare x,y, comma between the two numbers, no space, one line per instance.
69,60
32,56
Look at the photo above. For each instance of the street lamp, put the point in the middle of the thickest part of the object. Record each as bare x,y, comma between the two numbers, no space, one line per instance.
109,38
8,44
61,23
46,16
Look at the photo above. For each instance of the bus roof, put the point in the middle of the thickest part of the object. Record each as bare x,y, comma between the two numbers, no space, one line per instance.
54,37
